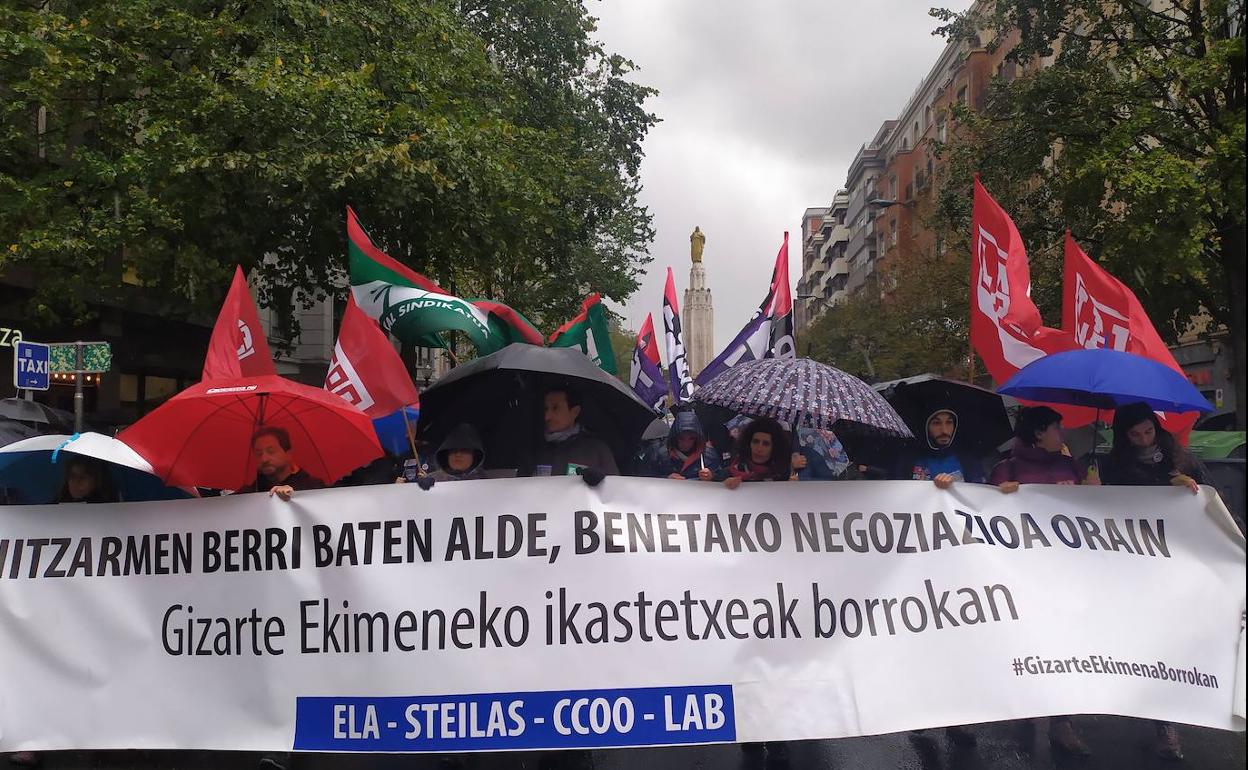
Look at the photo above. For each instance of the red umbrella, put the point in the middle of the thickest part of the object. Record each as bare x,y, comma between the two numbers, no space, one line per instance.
202,436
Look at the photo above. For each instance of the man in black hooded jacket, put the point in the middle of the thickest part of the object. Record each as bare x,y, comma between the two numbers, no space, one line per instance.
941,460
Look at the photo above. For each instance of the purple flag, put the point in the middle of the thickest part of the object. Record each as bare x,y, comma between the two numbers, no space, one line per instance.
769,333
646,376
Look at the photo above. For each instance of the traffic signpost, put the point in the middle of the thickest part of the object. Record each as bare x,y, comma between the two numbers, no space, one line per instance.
30,365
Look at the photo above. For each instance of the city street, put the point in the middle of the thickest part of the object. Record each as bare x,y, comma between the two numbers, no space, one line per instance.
601,384
1117,744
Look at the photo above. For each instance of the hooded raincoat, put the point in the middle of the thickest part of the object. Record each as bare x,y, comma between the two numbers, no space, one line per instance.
928,461
668,459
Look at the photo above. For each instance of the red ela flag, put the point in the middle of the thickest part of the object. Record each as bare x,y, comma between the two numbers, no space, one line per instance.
238,347
365,370
1101,312
1006,329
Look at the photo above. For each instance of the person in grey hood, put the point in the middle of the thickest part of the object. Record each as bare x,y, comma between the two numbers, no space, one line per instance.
686,455
461,456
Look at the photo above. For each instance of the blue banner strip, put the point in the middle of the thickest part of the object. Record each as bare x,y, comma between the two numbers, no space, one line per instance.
570,719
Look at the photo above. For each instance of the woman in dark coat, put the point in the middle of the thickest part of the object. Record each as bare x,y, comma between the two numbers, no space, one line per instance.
1037,458
1146,455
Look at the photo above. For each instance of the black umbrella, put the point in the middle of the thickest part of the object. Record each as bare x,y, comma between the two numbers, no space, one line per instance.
983,422
34,412
983,419
501,395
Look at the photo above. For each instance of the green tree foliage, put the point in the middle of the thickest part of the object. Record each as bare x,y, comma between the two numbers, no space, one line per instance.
622,342
493,146
1132,135
906,320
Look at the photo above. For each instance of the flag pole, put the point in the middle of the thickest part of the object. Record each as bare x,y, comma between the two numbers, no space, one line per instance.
411,440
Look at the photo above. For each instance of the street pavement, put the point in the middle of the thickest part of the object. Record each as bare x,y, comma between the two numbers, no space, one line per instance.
1116,743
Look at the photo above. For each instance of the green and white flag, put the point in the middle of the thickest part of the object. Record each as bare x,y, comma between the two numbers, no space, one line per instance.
414,309
588,331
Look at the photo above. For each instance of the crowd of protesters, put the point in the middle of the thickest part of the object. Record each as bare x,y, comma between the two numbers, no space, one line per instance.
753,450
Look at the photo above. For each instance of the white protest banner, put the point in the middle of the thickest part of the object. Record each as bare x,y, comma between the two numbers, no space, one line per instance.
541,613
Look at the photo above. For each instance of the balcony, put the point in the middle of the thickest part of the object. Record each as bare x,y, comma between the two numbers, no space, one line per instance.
840,266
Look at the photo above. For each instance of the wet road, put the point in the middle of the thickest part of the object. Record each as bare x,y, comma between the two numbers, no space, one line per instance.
1116,743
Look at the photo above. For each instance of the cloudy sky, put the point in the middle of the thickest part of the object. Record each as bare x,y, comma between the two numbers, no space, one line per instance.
764,104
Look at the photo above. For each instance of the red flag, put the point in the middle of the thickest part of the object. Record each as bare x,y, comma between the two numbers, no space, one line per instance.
1101,312
238,347
365,370
1006,329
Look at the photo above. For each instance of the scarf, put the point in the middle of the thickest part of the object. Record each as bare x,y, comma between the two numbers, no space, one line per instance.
752,471
688,459
560,436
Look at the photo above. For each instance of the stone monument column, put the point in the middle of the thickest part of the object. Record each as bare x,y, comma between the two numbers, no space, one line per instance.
697,313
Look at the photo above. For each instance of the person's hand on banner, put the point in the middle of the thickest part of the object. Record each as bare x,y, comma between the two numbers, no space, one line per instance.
943,480
425,482
1008,487
798,461
706,475
675,477
592,476
284,491
1183,480
732,482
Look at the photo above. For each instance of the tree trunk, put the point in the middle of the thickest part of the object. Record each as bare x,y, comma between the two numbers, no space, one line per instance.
1233,239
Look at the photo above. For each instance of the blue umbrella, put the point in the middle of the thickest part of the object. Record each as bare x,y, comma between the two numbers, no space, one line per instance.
392,430
1105,379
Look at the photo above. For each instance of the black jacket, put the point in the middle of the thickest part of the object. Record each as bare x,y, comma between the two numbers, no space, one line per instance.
300,480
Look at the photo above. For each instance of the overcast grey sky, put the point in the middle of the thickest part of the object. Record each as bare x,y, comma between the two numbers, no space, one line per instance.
764,104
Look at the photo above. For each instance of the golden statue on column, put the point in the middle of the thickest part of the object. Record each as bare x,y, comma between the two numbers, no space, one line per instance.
697,241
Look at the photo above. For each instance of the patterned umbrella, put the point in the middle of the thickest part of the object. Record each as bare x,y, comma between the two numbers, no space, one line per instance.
804,394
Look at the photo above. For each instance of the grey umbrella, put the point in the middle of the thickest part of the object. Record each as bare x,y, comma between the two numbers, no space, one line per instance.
11,431
657,430
501,395
34,412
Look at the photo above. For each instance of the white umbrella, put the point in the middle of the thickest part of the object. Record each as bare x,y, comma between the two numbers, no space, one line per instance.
35,466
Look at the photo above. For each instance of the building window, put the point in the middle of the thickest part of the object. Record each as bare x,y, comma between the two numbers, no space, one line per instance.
940,131
892,187
927,116
892,232
962,95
